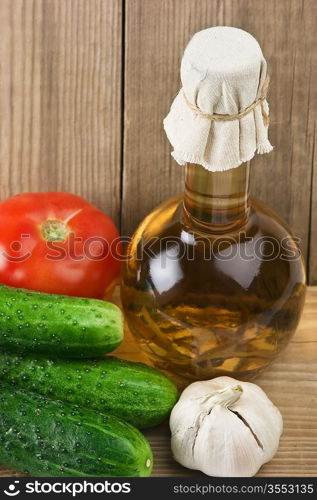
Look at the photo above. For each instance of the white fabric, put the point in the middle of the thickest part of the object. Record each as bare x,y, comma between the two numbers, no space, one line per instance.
222,71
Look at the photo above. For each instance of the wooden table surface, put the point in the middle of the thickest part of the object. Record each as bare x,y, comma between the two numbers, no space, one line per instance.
291,383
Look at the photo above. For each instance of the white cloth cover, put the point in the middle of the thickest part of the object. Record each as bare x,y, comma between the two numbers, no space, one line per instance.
222,72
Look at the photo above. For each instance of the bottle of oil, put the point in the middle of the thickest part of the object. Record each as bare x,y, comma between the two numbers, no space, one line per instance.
214,282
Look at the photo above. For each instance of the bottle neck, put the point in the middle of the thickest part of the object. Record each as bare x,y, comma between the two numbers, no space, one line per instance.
217,201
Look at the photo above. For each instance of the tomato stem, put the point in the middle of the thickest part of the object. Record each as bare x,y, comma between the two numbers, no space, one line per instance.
54,230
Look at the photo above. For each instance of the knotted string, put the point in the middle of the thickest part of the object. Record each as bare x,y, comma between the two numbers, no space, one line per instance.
219,117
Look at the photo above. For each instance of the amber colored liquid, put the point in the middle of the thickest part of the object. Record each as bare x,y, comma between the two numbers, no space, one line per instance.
200,314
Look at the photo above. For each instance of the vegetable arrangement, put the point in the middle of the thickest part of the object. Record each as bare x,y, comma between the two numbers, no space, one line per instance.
64,412
94,436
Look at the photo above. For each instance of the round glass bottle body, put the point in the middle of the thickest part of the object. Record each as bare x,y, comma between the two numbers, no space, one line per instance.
214,282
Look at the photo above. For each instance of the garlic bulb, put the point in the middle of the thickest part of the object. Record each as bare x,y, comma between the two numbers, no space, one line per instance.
225,428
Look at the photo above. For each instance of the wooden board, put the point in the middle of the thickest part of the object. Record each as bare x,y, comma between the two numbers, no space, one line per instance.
156,35
291,383
60,98
312,263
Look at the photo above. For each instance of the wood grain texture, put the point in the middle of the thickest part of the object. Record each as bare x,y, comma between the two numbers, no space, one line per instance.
60,98
156,35
291,383
312,264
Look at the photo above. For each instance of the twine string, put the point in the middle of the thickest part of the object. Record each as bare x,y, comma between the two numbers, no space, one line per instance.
222,118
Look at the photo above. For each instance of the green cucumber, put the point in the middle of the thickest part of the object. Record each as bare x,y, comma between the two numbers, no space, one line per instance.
132,391
44,437
58,325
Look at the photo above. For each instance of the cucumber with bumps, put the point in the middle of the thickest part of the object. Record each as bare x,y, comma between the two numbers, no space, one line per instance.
44,437
132,391
58,325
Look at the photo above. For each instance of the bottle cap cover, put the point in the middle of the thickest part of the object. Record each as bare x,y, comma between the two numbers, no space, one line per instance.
219,119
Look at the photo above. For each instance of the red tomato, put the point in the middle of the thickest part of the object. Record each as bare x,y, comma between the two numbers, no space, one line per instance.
57,243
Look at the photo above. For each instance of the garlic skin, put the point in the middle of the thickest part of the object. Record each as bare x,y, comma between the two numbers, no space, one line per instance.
225,428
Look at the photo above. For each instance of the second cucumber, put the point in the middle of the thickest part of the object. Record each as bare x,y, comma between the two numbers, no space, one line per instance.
132,391
58,325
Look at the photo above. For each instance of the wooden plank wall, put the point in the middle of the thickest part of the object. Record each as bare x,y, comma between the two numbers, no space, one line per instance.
60,98
85,84
156,34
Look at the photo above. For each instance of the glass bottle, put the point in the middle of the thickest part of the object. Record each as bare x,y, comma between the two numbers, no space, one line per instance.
214,282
